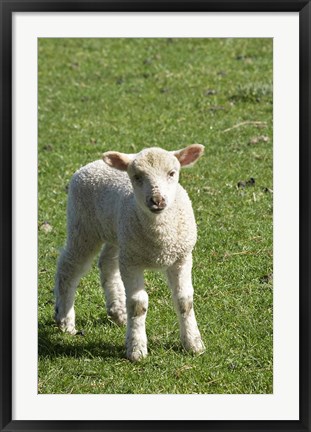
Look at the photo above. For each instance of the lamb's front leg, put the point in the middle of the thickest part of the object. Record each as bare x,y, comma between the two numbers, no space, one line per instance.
180,281
136,305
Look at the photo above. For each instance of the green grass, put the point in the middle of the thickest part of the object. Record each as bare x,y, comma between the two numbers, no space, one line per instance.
126,94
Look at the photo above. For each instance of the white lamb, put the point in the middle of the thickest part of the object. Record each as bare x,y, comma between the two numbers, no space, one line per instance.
135,206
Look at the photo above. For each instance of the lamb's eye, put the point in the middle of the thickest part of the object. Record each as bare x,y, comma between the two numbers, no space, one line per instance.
172,173
138,178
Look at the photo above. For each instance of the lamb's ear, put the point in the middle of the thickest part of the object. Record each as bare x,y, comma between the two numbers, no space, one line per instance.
189,155
117,160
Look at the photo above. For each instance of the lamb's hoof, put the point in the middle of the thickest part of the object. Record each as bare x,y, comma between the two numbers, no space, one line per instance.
120,320
118,315
136,353
66,326
195,346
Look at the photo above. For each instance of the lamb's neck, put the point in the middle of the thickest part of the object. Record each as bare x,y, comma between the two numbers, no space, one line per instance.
153,221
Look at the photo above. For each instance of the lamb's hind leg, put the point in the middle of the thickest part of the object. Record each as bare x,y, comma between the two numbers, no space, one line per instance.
112,283
73,263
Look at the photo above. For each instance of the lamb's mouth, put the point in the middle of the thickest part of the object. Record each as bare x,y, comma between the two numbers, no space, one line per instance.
156,209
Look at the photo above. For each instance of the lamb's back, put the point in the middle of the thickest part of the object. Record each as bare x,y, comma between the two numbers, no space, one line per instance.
97,191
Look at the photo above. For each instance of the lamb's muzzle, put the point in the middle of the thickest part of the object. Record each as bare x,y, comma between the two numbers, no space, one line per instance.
156,203
110,202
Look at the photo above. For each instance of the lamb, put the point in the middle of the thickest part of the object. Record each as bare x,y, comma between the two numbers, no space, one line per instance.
134,205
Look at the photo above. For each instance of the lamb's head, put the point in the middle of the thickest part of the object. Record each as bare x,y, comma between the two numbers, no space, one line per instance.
154,173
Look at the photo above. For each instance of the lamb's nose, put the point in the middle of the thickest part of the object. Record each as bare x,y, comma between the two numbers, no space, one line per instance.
157,201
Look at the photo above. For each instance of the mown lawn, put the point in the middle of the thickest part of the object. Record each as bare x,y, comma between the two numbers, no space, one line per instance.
126,94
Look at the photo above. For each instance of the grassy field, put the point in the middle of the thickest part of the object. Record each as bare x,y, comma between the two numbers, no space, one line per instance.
116,94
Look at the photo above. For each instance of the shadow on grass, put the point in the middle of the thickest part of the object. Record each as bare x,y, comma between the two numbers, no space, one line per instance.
52,343
173,346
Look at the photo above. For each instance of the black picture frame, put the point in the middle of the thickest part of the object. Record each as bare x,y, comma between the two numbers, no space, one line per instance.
7,8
